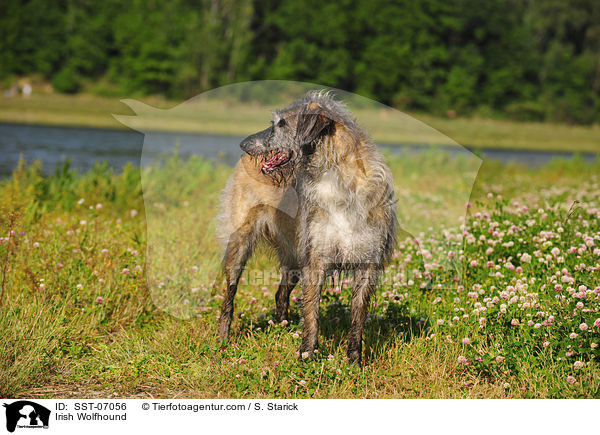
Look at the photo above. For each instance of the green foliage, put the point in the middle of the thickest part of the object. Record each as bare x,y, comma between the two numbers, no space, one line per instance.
509,56
66,81
525,111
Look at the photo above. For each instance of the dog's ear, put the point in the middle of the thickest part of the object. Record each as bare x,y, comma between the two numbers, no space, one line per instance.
312,122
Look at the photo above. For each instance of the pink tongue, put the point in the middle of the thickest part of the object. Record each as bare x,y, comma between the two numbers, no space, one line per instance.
268,165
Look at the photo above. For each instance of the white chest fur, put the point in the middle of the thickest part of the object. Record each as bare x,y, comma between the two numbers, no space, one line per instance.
338,229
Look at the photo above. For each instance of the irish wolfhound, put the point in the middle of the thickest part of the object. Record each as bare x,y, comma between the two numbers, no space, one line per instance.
314,186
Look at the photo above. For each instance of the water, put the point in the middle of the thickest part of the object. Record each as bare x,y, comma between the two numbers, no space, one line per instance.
54,145
84,146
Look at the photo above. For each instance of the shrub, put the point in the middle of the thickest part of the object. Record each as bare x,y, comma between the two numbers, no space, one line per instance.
526,111
66,81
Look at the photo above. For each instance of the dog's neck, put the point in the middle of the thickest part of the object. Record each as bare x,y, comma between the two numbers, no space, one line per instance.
332,151
336,170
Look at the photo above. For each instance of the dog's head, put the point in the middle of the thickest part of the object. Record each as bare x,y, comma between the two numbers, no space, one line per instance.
294,136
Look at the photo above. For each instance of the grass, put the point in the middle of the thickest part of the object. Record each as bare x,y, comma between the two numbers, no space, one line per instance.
84,313
224,117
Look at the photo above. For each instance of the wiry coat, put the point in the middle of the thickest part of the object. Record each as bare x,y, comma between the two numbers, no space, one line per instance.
315,187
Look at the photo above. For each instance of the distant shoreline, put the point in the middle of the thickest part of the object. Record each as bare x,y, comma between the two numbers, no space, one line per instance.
86,146
96,112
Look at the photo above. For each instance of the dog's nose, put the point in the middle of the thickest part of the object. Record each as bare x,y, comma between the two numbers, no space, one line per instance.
247,144
256,143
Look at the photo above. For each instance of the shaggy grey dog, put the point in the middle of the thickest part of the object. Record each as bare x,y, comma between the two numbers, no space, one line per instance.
313,186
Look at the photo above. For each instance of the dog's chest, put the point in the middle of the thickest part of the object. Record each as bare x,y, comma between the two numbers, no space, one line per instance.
337,219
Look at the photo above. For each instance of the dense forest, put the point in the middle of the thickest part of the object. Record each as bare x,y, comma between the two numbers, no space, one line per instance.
526,59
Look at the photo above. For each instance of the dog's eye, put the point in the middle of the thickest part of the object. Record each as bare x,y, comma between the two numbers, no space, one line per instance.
281,123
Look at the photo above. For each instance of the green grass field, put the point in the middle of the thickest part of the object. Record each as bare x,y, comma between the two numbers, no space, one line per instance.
221,117
79,318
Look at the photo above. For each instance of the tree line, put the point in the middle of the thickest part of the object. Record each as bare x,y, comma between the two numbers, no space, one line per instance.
526,59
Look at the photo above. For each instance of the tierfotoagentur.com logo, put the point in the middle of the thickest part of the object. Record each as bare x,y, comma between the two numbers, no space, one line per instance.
25,414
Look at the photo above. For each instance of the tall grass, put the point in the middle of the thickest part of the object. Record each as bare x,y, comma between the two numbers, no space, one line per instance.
79,318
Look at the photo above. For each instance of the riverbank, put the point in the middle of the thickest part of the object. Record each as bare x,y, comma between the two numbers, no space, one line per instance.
241,119
86,146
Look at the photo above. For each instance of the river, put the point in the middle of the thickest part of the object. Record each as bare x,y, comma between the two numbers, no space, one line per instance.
53,145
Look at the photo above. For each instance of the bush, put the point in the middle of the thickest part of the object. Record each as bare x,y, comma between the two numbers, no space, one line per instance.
525,111
66,81
575,109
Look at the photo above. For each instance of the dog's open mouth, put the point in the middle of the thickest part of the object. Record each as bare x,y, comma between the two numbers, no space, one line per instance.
277,160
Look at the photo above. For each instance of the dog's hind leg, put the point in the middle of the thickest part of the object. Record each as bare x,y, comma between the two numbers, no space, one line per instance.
365,279
290,275
283,233
239,248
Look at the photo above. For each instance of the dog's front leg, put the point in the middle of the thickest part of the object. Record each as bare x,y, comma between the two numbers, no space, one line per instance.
313,277
365,280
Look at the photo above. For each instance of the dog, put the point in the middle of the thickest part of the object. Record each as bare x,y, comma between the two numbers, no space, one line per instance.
314,187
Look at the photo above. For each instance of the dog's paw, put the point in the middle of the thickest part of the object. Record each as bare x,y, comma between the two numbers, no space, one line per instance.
223,333
307,355
354,358
281,317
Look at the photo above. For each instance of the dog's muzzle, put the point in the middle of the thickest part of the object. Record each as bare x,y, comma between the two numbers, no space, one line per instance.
256,144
